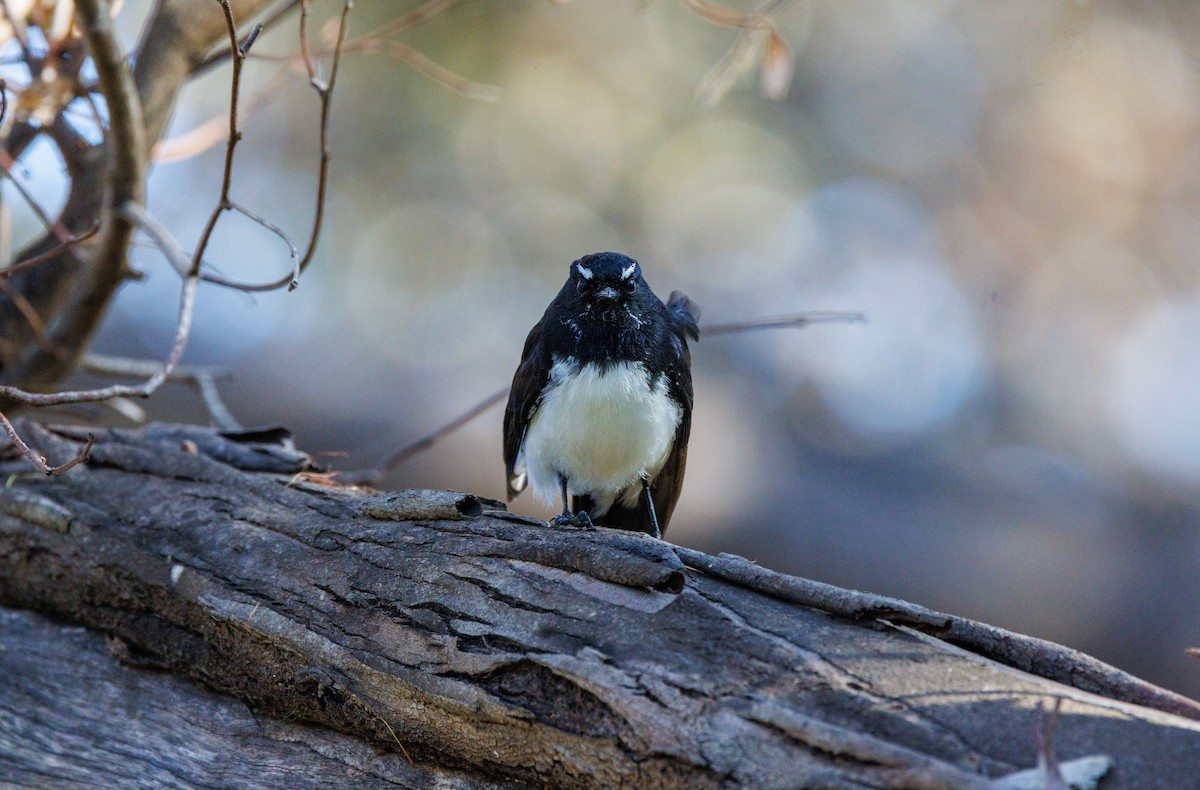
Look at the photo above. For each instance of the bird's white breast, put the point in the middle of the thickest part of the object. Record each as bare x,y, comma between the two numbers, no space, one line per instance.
602,430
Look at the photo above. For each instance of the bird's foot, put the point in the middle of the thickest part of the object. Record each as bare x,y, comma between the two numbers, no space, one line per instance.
580,520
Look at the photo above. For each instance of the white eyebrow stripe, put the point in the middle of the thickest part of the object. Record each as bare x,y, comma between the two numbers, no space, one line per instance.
585,272
627,273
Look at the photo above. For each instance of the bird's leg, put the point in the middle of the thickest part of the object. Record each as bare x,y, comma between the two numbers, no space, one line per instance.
562,482
564,518
650,508
567,518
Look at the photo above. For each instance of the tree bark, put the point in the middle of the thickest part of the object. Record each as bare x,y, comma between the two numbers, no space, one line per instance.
492,649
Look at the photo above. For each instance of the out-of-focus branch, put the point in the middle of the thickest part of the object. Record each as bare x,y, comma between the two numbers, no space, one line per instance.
117,175
8,165
209,133
777,60
51,254
203,379
122,161
187,305
794,321
373,475
425,65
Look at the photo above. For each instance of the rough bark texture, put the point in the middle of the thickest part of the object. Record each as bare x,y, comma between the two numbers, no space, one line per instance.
490,648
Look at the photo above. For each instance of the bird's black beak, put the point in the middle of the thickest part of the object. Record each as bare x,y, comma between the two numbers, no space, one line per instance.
607,292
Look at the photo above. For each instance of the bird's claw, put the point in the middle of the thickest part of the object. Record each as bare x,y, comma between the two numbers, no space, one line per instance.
580,520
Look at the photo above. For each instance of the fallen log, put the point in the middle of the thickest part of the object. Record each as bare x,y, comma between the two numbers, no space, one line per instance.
491,649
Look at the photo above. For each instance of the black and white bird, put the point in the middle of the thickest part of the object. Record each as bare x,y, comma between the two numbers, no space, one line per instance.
601,404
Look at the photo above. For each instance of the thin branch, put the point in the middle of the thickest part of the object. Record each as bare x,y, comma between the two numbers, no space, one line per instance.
266,23
223,204
324,91
181,262
427,66
294,276
794,321
738,58
50,254
222,417
206,135
29,313
375,473
203,379
376,42
108,365
40,460
727,17
414,18
8,165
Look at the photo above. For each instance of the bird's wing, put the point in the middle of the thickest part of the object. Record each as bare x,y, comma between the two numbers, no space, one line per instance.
528,383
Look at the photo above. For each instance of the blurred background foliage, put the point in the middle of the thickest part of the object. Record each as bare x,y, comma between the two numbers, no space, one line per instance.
1008,189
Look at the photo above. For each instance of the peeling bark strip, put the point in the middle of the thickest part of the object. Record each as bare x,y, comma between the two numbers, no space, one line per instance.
493,649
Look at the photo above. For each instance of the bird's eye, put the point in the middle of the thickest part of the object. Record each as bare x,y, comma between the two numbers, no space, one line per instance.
579,286
630,287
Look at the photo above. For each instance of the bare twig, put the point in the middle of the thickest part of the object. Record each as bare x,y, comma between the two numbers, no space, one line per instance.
294,277
190,266
50,254
222,417
1044,729
426,65
218,57
107,365
8,165
29,312
203,379
40,460
223,203
375,473
324,90
794,321
181,262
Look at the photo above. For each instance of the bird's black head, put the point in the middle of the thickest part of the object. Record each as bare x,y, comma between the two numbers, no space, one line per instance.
607,283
